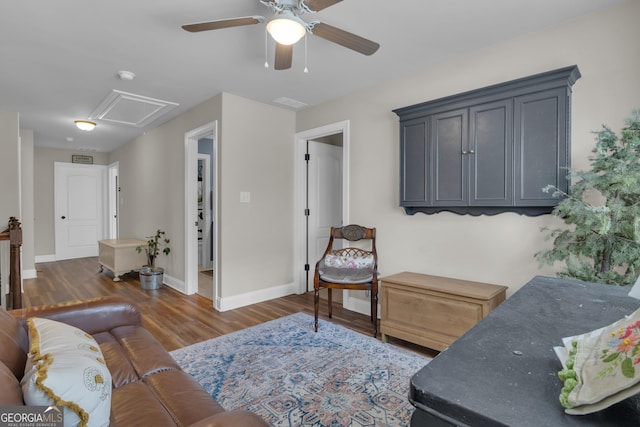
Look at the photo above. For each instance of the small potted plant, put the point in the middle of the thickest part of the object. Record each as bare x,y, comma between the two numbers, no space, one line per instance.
151,277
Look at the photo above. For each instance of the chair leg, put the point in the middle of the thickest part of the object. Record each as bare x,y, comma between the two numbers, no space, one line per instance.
316,306
374,312
330,302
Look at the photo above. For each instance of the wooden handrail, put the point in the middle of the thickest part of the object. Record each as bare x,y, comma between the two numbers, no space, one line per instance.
14,235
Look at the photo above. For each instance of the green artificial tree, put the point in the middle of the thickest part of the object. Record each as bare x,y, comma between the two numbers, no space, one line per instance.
602,242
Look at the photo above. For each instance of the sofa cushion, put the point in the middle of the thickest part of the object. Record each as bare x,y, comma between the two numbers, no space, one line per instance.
10,391
14,344
143,351
67,368
122,372
135,404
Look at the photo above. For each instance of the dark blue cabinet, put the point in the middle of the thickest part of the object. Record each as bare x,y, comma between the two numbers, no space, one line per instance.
490,150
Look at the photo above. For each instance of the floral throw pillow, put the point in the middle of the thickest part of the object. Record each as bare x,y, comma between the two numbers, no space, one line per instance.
344,261
603,367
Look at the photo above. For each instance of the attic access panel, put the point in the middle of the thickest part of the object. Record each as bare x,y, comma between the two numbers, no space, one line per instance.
131,109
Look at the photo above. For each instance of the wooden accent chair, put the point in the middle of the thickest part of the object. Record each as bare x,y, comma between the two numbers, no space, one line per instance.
348,268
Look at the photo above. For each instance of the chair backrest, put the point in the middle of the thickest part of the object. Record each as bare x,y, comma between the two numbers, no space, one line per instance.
352,233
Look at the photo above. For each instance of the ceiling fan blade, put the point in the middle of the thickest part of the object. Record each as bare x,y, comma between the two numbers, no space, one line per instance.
344,38
284,57
223,23
318,5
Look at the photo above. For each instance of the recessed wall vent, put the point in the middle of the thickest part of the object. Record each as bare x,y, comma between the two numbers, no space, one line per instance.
291,103
130,109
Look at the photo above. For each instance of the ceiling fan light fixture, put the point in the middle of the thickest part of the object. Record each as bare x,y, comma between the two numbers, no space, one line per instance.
85,124
286,28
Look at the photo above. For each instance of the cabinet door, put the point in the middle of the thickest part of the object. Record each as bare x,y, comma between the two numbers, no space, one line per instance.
413,162
541,146
490,154
449,169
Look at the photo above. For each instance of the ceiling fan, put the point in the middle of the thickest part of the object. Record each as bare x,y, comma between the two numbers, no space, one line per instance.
286,27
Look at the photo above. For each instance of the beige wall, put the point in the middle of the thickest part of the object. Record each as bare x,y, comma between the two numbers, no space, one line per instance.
255,155
44,207
9,166
151,176
497,249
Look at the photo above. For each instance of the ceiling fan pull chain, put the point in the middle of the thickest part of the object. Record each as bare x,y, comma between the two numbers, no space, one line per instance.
306,70
266,48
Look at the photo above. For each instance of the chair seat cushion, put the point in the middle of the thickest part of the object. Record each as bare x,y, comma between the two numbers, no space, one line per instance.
345,275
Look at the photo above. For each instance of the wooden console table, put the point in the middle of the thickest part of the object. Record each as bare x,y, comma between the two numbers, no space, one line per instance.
120,256
434,311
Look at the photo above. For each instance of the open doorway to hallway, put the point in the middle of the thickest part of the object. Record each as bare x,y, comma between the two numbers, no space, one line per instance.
205,217
201,192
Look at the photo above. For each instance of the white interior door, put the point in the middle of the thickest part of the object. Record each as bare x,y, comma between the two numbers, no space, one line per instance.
79,209
325,196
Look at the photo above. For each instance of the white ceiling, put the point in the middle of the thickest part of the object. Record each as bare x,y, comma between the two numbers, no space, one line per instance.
59,58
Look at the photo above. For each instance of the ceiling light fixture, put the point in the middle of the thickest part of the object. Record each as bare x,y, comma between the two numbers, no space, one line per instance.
126,75
286,28
85,125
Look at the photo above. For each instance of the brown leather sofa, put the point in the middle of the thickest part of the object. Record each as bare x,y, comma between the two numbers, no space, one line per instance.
149,388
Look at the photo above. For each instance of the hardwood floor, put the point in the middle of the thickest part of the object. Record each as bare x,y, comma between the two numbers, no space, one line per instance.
175,319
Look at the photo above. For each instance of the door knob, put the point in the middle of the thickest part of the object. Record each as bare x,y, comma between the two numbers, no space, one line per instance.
63,217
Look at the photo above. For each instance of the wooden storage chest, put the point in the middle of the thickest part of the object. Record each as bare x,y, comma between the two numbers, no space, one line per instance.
120,255
434,311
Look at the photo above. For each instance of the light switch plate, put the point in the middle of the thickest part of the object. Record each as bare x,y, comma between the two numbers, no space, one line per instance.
245,197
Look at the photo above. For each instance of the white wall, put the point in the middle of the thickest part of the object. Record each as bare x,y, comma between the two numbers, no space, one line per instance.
496,249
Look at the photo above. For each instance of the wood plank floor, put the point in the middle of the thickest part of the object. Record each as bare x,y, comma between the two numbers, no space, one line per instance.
175,319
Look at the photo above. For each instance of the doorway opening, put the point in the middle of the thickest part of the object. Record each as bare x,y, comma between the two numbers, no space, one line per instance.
321,194
205,218
201,201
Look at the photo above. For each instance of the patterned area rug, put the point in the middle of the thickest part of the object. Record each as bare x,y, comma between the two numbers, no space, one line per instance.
292,376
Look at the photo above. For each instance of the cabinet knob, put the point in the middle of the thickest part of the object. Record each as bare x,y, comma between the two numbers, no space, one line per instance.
464,152
472,152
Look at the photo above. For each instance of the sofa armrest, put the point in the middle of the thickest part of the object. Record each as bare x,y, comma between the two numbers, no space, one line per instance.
232,419
91,315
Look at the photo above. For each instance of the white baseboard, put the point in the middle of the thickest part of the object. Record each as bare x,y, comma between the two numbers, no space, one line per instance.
174,283
31,273
45,258
237,301
358,305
